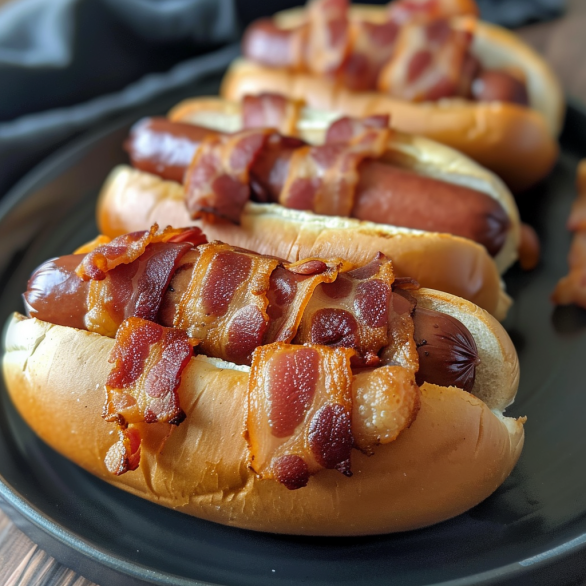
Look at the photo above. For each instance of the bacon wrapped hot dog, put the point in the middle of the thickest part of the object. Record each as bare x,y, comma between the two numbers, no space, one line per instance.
364,170
302,407
436,69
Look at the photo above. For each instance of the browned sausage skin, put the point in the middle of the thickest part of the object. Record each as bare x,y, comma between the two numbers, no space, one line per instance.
385,194
447,351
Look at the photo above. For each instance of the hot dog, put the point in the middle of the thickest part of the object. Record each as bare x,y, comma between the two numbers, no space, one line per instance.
161,401
384,194
439,73
430,186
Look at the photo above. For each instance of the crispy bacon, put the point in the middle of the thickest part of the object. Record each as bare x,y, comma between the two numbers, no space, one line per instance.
572,288
373,45
217,180
127,248
124,455
148,361
269,110
142,385
429,63
323,178
329,40
299,412
371,133
352,311
386,401
225,304
291,288
420,11
401,348
135,289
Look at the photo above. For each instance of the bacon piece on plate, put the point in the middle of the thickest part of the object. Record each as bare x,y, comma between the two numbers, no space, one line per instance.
142,385
323,178
572,288
299,412
225,303
217,180
352,312
268,110
127,248
428,63
329,41
133,290
410,11
291,288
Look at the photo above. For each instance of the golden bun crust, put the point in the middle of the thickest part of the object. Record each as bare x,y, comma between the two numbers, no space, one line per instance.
513,141
456,453
131,200
416,153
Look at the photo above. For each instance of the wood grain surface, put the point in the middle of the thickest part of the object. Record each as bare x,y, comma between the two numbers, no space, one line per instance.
563,44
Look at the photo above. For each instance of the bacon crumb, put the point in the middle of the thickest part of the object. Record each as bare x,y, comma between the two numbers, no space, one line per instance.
571,289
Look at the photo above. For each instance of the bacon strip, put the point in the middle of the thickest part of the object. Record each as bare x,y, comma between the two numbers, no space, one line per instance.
135,289
142,385
291,288
328,42
352,312
269,110
572,288
372,46
225,304
323,179
127,248
421,11
217,180
429,63
401,348
372,133
299,412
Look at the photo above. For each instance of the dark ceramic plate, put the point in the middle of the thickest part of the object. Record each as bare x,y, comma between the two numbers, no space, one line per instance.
532,530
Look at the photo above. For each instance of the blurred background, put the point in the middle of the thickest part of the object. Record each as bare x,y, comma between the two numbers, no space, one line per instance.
70,65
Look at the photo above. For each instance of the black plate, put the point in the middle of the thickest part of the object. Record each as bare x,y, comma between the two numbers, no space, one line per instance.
532,530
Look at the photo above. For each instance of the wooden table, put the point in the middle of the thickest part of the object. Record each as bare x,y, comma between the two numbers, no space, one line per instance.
562,42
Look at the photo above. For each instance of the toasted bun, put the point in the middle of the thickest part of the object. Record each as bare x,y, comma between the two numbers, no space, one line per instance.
515,142
455,454
131,200
414,153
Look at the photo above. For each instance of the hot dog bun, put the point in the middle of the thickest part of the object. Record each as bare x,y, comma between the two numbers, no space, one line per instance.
407,151
457,452
131,200
516,142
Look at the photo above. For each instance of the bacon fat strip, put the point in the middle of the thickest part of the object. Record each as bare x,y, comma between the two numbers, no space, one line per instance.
571,289
55,293
384,194
457,452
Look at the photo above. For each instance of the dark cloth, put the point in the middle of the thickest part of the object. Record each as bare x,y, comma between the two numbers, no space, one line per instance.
70,65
